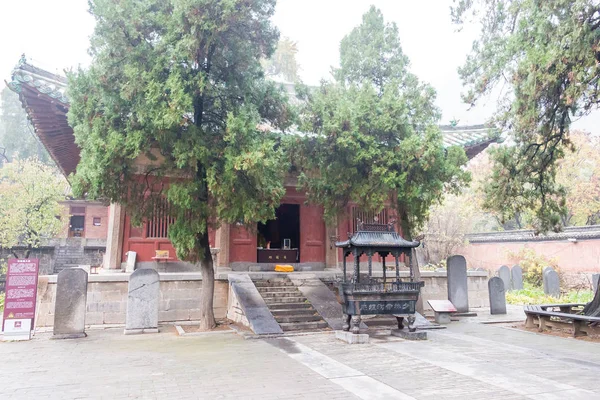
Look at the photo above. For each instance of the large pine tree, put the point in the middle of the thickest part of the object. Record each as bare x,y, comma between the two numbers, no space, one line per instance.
376,141
181,80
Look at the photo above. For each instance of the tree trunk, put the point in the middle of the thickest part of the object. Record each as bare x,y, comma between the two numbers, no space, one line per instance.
207,315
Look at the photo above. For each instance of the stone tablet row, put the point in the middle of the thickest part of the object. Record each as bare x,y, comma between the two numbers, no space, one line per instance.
512,277
71,301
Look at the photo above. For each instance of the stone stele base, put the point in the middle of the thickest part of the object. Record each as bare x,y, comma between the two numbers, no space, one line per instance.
69,335
405,334
352,338
140,331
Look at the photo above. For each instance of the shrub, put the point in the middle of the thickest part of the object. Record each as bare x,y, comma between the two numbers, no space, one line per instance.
533,265
1,302
535,295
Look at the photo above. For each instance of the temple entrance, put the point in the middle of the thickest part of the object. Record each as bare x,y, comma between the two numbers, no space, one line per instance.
279,239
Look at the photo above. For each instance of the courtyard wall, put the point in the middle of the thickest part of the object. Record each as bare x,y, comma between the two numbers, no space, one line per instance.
180,296
107,299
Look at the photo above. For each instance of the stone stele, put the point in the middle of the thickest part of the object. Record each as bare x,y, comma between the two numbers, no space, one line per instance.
516,276
458,292
70,304
497,296
504,274
142,302
551,283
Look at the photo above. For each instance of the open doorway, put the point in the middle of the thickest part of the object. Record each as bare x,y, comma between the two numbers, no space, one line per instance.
281,233
76,225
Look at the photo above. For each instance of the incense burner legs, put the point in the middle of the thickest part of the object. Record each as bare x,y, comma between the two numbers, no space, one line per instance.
356,324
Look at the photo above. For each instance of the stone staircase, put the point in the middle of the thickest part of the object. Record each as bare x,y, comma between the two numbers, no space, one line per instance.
291,310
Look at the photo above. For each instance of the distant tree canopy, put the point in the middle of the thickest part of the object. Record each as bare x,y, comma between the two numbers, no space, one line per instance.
544,58
29,208
283,61
376,141
182,80
17,138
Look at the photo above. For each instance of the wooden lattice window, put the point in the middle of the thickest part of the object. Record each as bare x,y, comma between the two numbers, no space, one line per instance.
158,225
368,217
77,210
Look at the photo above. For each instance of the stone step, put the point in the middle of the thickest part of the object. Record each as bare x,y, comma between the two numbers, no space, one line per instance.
276,300
289,306
294,311
262,289
273,283
298,318
302,326
278,295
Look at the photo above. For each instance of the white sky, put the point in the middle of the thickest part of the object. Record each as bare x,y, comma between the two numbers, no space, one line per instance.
54,34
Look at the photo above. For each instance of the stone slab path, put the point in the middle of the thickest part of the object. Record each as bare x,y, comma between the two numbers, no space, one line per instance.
466,361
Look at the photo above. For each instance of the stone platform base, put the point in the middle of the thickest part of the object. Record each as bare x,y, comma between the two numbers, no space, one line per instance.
442,317
405,334
352,338
69,335
140,331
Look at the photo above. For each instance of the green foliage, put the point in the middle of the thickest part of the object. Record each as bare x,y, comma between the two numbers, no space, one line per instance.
535,295
533,265
1,302
29,208
376,139
179,82
544,55
17,139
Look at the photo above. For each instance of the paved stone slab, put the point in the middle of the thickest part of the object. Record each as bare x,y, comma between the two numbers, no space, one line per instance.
516,275
551,283
458,292
70,304
504,274
253,305
497,296
352,338
142,302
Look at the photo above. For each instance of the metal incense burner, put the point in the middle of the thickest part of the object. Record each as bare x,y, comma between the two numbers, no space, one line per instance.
372,296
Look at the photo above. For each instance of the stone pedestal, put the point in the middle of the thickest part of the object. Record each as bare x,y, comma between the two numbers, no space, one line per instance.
352,338
142,302
70,304
407,335
442,317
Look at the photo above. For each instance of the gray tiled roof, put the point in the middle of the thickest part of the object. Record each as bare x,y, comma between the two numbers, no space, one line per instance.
528,235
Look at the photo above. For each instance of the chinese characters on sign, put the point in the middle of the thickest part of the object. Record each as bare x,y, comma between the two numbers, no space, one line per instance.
386,307
19,304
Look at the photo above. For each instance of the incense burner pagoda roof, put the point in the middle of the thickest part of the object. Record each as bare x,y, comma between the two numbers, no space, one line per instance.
377,236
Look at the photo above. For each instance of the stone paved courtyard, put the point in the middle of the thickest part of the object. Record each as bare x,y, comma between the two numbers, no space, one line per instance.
467,361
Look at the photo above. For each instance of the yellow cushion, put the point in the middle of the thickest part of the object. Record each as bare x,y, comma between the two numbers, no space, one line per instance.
284,268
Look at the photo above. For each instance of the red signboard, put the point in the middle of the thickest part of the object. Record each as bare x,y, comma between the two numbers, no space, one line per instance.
21,289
